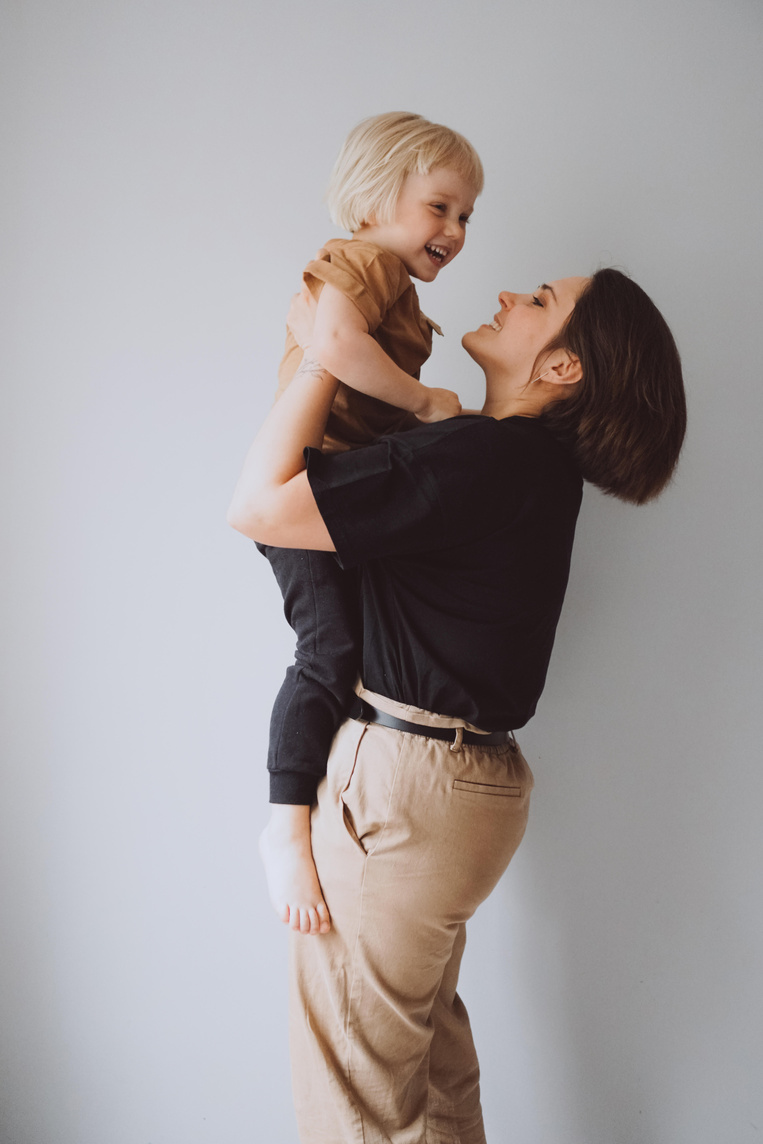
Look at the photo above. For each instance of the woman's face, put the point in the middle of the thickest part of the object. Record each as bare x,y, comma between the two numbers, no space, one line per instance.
511,344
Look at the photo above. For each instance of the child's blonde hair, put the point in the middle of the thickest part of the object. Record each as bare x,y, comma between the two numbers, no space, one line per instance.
377,156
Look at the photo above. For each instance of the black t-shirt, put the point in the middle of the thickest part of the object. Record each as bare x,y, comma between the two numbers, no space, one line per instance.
463,531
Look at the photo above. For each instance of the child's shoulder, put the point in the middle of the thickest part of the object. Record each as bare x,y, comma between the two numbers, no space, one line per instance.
362,270
359,253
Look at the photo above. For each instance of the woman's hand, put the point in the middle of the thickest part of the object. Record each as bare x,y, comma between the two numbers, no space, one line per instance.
301,317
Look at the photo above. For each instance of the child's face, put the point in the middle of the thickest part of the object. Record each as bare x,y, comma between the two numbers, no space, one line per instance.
429,226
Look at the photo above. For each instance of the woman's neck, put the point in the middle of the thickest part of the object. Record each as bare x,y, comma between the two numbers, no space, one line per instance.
508,396
500,406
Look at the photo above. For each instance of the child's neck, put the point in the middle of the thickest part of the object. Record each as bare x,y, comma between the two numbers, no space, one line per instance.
368,233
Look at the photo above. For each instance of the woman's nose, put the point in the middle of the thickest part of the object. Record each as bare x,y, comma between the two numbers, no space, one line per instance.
506,299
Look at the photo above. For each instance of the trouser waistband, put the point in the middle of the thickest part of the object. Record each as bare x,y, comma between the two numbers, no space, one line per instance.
363,711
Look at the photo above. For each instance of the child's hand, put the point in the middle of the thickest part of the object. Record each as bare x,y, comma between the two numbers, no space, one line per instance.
301,317
440,404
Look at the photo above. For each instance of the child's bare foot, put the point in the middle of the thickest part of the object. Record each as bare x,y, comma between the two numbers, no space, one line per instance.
292,878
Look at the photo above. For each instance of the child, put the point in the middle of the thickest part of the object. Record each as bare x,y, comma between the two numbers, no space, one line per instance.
405,188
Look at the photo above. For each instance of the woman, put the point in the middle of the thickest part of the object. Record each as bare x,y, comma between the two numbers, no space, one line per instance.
462,532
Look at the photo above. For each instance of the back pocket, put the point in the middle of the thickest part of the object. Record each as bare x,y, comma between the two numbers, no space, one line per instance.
488,788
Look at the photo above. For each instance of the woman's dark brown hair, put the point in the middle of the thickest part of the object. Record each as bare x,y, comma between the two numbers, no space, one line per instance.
626,419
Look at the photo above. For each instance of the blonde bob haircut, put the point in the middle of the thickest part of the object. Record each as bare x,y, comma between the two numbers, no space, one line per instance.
377,156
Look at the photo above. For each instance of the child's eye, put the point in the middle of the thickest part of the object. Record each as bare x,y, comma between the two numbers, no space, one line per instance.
439,206
465,218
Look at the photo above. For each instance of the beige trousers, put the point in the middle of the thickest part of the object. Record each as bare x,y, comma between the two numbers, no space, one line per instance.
409,835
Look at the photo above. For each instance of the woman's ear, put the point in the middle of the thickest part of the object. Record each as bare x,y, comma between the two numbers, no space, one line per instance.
567,370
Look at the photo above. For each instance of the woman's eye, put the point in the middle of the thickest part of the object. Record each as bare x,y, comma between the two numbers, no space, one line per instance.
537,301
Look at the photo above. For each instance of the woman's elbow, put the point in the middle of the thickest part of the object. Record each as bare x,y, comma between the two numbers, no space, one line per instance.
248,518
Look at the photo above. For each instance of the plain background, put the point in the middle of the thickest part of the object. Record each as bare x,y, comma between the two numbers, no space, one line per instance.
164,166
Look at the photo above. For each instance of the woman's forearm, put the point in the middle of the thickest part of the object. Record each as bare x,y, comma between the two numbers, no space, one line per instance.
297,420
272,501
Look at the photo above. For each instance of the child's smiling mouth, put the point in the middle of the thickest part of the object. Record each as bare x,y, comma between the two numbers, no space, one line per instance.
438,254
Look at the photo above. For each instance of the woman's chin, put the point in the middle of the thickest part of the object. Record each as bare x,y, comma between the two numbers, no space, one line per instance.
467,342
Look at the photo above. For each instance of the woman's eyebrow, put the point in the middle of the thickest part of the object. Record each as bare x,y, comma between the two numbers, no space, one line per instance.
545,286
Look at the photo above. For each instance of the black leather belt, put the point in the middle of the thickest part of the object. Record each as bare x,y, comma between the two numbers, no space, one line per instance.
367,714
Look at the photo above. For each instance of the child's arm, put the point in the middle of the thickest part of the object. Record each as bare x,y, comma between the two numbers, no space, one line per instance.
342,344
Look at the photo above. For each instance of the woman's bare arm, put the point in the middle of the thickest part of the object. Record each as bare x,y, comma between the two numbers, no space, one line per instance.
273,501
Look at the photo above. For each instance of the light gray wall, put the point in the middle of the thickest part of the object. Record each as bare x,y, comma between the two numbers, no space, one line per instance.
164,166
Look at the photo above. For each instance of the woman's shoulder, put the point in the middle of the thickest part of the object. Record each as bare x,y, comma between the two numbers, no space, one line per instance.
479,427
519,448
533,439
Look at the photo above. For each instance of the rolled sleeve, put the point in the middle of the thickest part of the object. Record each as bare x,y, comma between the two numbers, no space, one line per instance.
375,502
408,493
371,278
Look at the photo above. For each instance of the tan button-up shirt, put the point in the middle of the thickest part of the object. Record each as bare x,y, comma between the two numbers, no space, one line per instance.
378,283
